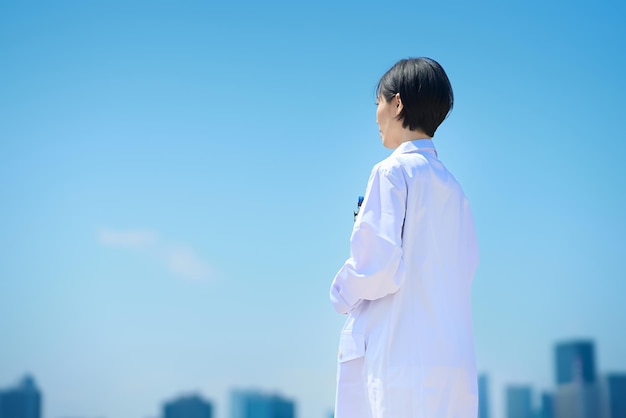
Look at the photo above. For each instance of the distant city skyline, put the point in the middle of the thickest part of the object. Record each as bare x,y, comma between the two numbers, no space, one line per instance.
24,400
578,392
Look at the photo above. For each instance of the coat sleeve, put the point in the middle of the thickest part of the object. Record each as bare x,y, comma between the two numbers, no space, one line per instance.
375,268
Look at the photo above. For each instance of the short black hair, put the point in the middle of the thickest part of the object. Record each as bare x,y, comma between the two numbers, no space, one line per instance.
424,89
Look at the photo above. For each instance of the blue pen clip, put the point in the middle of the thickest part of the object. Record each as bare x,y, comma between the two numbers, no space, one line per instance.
358,207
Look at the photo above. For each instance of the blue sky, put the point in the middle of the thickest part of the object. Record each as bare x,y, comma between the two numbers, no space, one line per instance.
177,183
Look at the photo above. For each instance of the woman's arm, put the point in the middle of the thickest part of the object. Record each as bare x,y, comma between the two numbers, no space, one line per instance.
375,268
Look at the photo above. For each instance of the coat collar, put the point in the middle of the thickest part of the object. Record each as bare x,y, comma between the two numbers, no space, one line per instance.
417,145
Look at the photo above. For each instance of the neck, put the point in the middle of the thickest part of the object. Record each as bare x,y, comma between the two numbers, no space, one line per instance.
407,135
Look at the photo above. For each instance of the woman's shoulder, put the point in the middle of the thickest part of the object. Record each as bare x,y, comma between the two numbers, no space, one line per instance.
390,170
397,164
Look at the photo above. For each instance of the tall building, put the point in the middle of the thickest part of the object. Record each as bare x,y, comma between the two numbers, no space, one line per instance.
575,362
546,407
578,400
615,395
22,401
483,396
578,393
252,404
192,406
519,402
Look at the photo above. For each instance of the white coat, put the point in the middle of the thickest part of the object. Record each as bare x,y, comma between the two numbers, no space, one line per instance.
406,349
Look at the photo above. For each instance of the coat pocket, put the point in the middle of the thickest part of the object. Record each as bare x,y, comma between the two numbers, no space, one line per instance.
351,346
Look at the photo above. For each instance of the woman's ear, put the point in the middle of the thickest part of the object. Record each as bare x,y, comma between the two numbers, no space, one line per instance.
398,102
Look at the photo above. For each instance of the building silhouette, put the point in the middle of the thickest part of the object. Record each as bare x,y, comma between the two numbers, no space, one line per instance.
192,406
575,362
483,396
253,404
578,400
546,405
615,395
578,392
22,401
519,402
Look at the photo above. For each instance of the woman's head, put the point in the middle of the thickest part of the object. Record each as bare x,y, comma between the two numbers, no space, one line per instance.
423,91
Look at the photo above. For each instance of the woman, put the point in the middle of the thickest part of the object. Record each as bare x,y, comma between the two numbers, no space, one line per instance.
406,349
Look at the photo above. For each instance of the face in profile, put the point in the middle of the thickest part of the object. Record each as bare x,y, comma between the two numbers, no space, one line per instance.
388,124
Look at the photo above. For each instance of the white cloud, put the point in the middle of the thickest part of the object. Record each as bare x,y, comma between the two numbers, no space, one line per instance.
132,238
180,259
184,262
